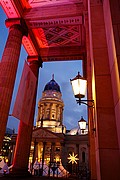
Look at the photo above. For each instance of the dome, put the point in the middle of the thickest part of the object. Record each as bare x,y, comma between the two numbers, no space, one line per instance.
52,85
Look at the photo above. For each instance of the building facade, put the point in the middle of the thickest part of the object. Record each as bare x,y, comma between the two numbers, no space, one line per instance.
50,140
50,108
6,147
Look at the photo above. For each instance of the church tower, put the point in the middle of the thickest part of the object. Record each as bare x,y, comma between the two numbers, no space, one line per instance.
50,108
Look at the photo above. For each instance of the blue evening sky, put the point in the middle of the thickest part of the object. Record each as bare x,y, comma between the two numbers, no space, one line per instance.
63,72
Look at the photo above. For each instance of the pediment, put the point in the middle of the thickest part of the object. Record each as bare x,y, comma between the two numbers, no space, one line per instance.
43,133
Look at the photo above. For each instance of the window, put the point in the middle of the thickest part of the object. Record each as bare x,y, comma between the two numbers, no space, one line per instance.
57,149
83,156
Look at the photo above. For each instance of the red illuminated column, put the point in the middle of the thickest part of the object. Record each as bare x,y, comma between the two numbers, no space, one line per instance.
8,68
21,157
87,70
105,86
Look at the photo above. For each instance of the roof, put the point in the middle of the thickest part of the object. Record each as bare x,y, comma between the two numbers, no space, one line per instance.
52,85
42,134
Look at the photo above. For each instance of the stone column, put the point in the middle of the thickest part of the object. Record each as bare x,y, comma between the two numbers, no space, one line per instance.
56,112
45,106
51,110
52,151
21,157
61,114
43,155
92,156
34,152
63,155
8,69
112,26
101,53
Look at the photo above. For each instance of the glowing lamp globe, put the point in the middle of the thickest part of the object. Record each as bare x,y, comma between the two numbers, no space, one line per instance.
79,85
82,123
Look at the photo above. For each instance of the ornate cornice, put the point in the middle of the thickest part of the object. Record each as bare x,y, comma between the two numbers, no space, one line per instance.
29,46
10,9
36,3
62,58
53,22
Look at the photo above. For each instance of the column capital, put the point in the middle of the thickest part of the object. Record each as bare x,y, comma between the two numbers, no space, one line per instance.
35,59
18,23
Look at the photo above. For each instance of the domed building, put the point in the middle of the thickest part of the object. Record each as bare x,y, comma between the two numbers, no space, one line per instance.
50,108
51,142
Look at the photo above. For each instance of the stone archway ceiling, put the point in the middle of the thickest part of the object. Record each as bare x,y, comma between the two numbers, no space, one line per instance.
56,27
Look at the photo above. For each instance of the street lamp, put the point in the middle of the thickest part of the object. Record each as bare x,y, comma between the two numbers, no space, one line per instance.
82,124
79,86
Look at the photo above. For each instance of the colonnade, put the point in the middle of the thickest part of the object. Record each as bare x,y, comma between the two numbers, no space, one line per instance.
8,69
45,111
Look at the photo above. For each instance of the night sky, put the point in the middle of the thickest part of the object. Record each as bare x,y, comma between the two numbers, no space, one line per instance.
63,72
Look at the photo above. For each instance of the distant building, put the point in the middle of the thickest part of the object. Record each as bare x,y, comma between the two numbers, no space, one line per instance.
50,108
5,151
51,142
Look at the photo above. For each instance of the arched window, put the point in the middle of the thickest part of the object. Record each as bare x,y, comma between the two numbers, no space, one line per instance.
83,156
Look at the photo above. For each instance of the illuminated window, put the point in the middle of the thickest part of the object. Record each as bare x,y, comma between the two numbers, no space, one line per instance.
57,148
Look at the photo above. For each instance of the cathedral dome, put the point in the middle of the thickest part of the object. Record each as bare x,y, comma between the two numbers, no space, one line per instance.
52,85
50,108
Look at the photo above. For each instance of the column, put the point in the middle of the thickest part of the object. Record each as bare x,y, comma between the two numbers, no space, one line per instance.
52,151
92,156
43,155
63,155
34,152
106,137
21,157
8,69
112,26
51,104
57,112
61,114
51,156
45,106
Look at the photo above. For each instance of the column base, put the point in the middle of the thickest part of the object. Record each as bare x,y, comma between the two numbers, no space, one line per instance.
17,172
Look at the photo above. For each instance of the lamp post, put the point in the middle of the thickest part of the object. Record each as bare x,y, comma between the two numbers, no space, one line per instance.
79,86
82,124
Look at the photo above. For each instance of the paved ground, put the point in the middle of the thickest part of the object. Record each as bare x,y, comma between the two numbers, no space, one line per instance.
36,178
28,178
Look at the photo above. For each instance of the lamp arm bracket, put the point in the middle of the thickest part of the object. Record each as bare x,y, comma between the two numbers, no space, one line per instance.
89,102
